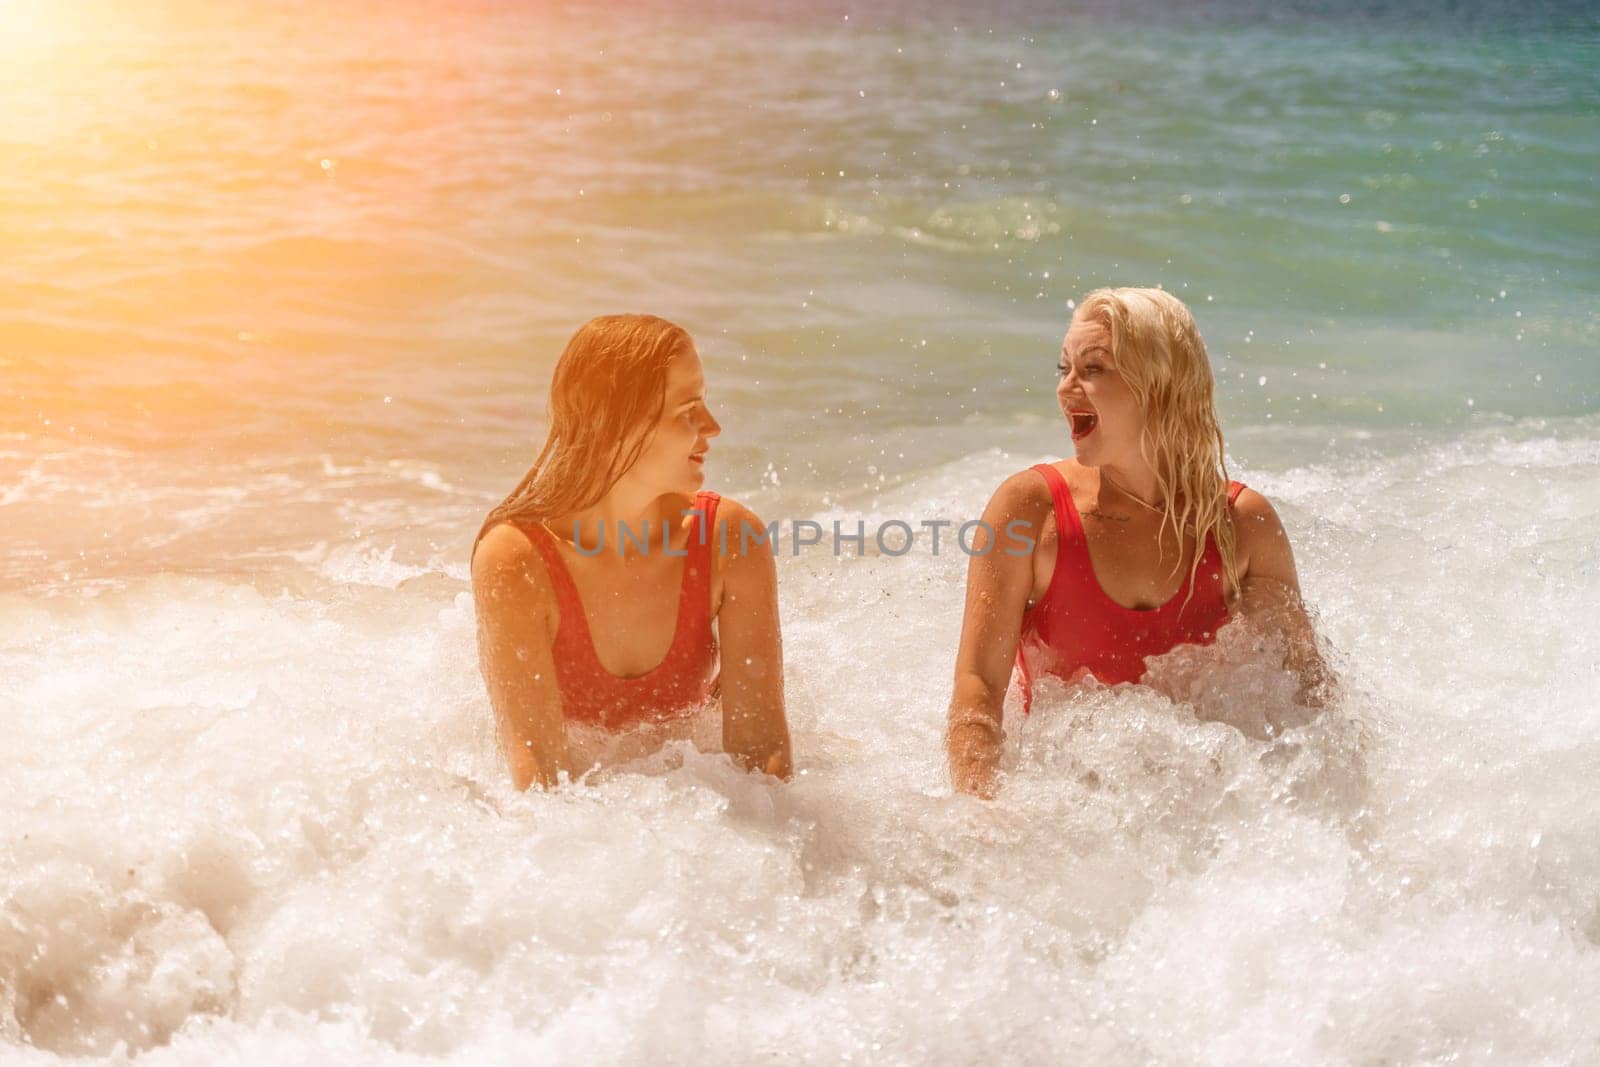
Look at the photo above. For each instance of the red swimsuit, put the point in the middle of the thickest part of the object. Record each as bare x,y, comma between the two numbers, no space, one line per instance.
685,678
1076,628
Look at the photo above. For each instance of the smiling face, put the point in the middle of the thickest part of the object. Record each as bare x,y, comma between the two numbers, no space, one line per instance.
673,459
1102,412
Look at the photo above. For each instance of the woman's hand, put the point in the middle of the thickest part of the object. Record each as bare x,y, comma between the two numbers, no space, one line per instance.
974,749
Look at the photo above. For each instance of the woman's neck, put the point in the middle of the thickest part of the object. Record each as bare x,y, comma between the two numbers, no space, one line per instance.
1135,479
601,525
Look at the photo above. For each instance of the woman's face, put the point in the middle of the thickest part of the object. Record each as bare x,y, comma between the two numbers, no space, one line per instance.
1102,413
673,460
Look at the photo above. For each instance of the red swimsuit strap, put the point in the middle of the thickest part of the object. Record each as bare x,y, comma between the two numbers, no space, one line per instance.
694,597
1070,533
1060,495
694,609
560,578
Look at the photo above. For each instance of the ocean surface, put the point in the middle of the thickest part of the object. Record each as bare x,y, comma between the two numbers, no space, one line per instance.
281,286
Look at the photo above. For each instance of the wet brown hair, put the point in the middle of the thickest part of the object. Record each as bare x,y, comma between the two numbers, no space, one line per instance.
607,392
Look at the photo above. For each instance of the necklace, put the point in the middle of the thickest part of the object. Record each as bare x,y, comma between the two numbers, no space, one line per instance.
1123,490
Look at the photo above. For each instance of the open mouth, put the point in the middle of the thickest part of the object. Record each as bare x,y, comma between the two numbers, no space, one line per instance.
1083,423
698,457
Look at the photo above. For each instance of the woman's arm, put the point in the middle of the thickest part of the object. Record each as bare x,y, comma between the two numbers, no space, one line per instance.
998,584
1270,597
754,729
517,620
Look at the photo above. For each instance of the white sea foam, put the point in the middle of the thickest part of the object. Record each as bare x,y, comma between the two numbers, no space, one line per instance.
366,566
243,826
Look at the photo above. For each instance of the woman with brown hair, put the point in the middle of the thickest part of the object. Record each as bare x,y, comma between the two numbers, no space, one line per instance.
606,594
1139,544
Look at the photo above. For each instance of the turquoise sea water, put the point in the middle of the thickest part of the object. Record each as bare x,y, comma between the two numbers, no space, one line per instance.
244,230
281,289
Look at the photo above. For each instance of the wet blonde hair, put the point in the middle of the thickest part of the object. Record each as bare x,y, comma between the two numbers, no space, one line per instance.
607,392
1157,349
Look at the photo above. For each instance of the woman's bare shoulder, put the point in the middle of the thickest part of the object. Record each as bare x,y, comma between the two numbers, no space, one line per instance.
1025,494
734,512
506,563
1262,543
742,556
1254,512
1022,507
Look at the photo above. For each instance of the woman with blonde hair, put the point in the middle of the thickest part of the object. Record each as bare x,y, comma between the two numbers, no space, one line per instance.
1139,544
606,594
